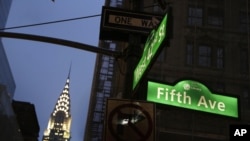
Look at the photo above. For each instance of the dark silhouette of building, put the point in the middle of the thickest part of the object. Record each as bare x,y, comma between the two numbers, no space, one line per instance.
27,120
6,77
210,44
9,130
60,120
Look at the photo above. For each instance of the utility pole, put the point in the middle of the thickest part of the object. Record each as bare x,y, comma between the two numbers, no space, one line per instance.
133,53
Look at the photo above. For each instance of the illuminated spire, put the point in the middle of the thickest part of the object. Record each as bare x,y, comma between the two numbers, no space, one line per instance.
60,119
63,102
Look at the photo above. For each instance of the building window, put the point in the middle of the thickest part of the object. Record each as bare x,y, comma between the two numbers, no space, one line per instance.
246,98
60,117
219,58
215,17
244,22
97,116
195,16
98,107
244,66
219,87
204,56
208,56
190,54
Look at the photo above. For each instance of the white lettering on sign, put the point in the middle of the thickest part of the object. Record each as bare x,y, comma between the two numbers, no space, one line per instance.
182,98
173,95
151,46
130,21
211,104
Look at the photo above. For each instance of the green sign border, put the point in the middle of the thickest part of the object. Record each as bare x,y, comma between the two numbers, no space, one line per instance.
193,95
155,41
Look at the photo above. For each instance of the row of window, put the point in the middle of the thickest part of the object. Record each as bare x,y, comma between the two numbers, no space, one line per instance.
214,57
206,56
215,18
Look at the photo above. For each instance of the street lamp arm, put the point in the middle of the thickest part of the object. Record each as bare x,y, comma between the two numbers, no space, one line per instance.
63,42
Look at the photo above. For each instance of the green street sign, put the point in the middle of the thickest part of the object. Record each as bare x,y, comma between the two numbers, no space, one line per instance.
192,95
154,42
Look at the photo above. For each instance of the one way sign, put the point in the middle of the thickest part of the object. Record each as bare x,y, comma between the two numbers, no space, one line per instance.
239,132
117,24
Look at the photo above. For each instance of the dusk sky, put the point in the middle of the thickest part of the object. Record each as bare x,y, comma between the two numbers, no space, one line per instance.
40,69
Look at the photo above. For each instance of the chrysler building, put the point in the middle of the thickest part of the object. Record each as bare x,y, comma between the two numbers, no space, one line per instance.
60,119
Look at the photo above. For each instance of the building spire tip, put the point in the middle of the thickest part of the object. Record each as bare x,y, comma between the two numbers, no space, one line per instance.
70,69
